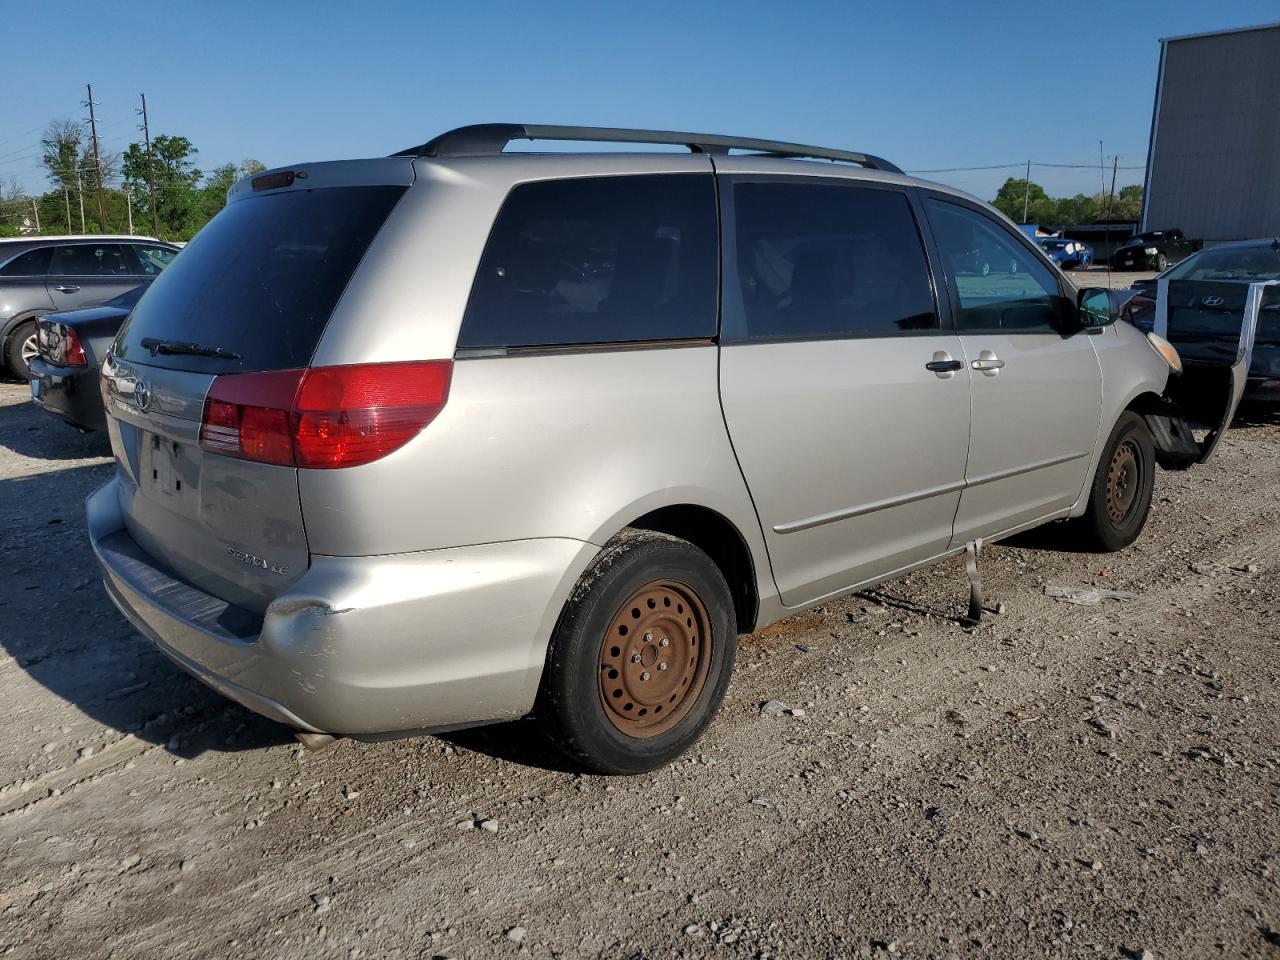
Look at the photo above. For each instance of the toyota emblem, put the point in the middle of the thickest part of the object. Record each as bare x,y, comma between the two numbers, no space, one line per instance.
142,395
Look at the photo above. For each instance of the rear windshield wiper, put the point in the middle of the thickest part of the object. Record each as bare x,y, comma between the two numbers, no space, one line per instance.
192,349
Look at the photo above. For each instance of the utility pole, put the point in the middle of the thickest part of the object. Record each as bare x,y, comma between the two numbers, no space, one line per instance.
66,199
97,163
1026,195
128,203
36,211
1115,165
80,194
151,176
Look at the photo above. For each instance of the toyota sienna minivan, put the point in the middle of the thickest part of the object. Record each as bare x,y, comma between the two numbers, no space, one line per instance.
463,434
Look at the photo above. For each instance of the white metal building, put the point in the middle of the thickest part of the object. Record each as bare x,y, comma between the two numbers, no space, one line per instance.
1213,164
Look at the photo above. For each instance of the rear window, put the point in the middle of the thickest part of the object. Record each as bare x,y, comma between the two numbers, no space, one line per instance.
260,280
598,260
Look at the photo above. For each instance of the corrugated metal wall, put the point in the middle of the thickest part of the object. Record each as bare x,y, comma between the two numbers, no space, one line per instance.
1215,165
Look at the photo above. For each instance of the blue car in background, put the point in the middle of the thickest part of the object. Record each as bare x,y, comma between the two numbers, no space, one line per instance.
1067,254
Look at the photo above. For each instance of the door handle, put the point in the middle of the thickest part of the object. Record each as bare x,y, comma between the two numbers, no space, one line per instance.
66,288
988,363
944,365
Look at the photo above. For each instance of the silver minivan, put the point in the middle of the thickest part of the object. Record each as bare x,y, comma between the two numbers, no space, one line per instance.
464,434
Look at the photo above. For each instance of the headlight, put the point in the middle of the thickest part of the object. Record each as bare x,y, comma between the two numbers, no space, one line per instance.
1070,248
1151,251
1166,350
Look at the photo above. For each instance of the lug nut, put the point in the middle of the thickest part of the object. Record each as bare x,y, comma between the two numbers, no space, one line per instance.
645,675
666,642
662,665
635,658
648,638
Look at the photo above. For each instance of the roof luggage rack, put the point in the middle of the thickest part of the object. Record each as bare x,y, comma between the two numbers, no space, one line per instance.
489,139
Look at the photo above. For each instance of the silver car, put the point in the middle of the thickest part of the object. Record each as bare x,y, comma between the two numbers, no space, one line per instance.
460,435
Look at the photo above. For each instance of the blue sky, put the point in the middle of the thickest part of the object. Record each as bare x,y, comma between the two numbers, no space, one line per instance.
925,84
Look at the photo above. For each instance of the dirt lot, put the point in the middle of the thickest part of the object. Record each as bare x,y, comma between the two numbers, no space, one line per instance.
1064,781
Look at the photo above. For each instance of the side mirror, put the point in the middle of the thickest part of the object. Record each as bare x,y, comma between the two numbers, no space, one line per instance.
1095,308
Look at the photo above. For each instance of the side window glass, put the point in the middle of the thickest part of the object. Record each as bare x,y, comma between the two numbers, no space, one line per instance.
90,260
33,263
598,260
1000,284
153,259
822,260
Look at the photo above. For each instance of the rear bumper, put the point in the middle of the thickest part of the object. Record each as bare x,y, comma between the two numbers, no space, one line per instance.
360,645
70,393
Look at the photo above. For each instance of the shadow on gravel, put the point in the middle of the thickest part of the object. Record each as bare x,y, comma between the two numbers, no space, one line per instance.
1254,413
30,432
516,742
61,629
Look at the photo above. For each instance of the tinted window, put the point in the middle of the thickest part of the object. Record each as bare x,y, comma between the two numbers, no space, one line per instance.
153,259
598,260
90,260
260,279
33,263
1001,285
829,260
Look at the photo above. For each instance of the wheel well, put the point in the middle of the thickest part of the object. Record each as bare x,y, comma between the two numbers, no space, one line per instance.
720,540
1148,403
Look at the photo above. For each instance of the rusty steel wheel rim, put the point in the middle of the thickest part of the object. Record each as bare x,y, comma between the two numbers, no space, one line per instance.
654,659
1122,481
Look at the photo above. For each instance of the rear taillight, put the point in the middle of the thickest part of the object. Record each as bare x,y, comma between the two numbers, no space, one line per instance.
323,417
60,344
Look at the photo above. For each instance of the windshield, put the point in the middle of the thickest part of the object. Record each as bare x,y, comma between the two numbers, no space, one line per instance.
127,300
259,282
1053,244
1230,263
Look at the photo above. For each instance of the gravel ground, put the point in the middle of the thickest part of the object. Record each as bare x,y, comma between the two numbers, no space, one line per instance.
1063,781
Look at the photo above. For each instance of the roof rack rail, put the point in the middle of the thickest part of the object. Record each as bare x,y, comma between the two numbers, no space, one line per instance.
489,139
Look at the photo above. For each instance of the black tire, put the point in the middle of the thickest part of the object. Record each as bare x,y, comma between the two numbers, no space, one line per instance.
1120,497
16,364
1162,262
590,656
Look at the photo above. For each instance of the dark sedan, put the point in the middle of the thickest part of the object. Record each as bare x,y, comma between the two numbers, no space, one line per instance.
1207,299
1152,251
64,374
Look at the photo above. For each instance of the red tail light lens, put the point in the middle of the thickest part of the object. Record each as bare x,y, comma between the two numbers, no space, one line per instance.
323,417
59,343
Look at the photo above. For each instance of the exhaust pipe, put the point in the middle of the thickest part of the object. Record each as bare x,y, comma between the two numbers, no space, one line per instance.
315,742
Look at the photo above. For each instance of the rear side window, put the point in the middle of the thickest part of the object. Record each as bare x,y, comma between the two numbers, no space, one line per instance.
153,259
90,260
823,260
259,280
33,263
598,260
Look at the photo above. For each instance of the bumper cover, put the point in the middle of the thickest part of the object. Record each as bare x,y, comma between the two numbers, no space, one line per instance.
68,392
360,645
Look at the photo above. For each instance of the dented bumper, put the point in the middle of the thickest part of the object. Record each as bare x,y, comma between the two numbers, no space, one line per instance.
359,645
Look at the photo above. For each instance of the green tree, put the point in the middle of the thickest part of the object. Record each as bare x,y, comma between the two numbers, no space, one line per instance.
178,199
1018,195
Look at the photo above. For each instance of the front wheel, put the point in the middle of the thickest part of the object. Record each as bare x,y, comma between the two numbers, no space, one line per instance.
641,657
1120,498
1161,262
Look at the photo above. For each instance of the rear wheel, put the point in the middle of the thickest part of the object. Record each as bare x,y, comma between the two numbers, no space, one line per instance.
1161,262
21,349
1120,498
641,657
